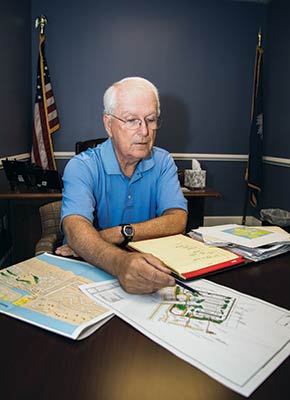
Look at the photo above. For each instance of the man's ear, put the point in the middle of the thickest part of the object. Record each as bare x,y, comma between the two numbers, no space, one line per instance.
107,124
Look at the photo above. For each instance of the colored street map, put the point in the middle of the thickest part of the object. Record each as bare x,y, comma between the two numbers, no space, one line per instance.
45,291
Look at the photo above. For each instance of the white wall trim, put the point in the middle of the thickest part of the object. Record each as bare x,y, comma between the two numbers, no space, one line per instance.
210,157
64,155
281,162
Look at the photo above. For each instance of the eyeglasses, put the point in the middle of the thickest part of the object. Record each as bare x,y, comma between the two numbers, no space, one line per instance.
135,123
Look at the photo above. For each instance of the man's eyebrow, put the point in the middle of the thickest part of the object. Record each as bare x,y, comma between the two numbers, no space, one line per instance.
133,114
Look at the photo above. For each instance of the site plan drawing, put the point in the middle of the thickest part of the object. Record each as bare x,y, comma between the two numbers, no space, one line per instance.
44,291
215,329
181,307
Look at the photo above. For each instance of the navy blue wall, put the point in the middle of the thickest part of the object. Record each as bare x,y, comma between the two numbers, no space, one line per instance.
276,192
15,77
199,53
277,85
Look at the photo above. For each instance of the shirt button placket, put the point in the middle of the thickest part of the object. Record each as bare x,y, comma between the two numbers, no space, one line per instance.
129,207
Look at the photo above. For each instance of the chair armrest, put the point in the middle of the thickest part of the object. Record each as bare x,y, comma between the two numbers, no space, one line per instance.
46,244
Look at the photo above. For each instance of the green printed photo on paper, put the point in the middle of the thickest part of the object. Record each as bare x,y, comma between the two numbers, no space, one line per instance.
248,233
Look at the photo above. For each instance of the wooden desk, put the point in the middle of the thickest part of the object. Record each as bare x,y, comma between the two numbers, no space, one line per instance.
25,226
119,363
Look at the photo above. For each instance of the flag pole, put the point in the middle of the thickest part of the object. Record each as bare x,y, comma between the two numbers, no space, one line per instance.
258,46
245,205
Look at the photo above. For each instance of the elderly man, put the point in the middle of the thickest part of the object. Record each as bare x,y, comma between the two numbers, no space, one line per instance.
124,189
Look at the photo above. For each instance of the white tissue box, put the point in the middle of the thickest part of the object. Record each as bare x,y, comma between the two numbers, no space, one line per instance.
194,179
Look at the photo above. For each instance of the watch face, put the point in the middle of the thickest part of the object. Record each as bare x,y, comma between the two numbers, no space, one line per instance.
128,230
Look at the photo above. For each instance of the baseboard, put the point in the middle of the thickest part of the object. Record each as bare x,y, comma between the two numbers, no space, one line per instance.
221,220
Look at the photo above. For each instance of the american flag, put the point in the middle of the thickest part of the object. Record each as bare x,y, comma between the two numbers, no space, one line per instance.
45,115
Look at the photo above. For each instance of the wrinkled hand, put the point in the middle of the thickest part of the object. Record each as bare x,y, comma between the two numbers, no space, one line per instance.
65,251
143,273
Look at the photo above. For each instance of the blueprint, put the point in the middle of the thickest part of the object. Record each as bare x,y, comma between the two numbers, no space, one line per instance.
44,291
214,328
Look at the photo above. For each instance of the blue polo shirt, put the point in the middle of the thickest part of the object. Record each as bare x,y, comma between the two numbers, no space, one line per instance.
96,188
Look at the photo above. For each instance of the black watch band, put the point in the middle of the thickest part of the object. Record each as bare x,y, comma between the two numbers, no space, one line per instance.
127,231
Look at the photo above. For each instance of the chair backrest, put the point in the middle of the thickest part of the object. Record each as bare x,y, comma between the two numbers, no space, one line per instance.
91,143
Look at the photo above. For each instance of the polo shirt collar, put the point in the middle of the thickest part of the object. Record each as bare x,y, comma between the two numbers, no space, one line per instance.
111,164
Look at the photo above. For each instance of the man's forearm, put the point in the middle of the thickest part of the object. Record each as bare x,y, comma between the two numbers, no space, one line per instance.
172,222
83,238
136,272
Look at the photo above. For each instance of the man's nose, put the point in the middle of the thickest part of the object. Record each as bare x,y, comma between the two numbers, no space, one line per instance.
143,127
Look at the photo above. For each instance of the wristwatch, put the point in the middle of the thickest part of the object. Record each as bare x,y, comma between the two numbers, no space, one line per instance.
128,233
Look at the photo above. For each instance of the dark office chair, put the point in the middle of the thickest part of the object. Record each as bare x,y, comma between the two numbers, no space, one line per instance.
91,143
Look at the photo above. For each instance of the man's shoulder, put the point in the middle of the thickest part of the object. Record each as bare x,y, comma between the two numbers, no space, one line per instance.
83,162
85,159
161,157
159,152
92,154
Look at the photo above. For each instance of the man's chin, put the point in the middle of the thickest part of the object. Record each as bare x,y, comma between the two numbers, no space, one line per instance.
142,149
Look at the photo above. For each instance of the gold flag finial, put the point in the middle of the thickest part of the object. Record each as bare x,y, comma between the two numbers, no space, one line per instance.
42,22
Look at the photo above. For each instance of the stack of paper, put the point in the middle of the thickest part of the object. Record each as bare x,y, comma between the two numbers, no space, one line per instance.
253,242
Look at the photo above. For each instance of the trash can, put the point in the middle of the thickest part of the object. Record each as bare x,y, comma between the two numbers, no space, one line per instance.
276,216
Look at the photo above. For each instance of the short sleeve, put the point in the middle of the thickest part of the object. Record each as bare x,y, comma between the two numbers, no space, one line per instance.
78,194
169,193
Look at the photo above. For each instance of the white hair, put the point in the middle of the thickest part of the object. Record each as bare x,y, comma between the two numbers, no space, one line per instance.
110,96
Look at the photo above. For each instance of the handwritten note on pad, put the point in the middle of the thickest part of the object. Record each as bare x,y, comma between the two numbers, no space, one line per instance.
187,257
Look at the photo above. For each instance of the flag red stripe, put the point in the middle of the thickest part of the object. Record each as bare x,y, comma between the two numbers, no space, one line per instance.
45,139
51,108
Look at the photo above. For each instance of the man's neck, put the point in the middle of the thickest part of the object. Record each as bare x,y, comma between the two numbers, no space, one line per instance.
128,169
127,166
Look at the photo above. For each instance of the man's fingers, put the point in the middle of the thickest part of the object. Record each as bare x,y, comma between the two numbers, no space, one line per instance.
143,273
65,251
156,263
157,278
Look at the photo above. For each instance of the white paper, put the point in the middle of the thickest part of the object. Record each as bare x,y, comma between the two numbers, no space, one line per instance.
248,236
218,330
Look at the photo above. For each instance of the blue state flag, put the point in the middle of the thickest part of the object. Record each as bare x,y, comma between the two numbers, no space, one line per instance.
255,158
